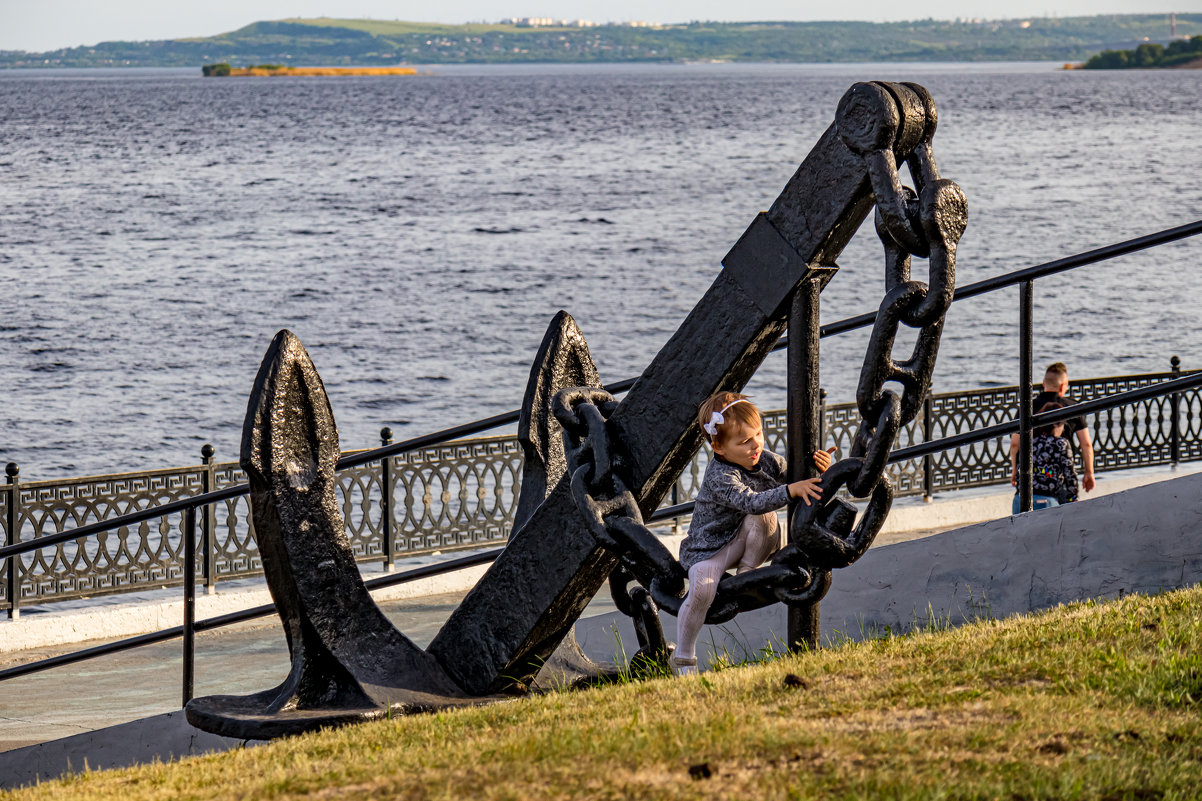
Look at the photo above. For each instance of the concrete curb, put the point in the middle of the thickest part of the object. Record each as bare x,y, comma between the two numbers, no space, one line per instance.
965,507
1144,540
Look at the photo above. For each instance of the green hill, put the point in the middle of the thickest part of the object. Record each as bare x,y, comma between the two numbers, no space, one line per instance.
332,42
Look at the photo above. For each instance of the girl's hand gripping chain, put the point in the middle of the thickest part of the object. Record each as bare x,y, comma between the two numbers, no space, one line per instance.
810,488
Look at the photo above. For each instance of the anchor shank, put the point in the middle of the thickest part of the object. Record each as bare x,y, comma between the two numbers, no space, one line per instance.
552,566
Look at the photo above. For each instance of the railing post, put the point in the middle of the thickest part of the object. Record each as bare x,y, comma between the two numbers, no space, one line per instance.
189,670
1175,411
821,440
208,522
675,500
387,531
928,461
804,429
1026,316
14,520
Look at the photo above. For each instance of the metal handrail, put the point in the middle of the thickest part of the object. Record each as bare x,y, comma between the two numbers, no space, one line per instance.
1031,273
1009,427
1052,416
848,324
236,490
230,618
182,505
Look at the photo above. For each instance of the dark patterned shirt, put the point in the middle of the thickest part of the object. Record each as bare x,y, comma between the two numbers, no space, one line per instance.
728,494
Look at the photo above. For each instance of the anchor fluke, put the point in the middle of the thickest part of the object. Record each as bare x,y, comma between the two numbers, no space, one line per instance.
349,663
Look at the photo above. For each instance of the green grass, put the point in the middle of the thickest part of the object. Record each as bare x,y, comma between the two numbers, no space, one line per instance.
1090,701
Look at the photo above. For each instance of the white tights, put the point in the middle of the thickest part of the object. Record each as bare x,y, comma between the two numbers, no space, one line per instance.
757,539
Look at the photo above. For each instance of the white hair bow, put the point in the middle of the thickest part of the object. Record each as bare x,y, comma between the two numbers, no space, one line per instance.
716,419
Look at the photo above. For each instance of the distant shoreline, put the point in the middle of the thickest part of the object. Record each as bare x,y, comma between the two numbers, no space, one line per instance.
273,71
850,68
347,42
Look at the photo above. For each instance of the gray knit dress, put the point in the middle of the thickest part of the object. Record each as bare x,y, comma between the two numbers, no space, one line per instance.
728,494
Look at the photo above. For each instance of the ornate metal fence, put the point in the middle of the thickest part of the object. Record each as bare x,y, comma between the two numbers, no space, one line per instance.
463,494
448,497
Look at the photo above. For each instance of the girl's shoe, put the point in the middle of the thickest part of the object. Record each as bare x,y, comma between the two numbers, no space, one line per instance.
683,665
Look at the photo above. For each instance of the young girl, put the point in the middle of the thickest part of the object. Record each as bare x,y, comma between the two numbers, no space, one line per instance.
734,520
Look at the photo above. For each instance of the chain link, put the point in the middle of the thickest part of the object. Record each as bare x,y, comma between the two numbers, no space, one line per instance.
824,536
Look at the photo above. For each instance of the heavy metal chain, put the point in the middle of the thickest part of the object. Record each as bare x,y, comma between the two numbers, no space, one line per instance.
927,222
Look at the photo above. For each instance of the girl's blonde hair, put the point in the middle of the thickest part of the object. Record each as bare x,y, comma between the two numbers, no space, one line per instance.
739,409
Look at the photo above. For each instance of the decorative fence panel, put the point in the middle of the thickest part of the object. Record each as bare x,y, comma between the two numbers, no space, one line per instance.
980,463
147,556
463,494
457,495
233,553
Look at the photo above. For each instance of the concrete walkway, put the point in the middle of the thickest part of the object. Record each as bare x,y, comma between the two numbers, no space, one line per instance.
145,682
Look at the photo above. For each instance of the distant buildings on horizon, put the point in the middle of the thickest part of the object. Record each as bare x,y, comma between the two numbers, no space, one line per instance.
548,22
551,22
1012,23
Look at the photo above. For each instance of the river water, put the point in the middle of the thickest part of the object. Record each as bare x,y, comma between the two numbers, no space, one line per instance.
418,234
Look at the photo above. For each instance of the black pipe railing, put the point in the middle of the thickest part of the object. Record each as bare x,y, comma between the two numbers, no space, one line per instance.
1031,273
1023,426
355,459
923,449
1053,416
230,618
189,669
1026,350
171,507
1174,422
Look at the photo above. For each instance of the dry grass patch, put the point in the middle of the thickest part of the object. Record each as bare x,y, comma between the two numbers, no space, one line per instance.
1085,702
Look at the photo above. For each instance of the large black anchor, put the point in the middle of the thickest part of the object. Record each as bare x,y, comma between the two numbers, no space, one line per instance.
349,663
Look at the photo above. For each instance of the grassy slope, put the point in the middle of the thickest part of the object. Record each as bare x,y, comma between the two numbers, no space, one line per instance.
1088,701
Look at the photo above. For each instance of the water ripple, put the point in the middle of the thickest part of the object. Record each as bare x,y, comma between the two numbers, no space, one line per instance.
419,235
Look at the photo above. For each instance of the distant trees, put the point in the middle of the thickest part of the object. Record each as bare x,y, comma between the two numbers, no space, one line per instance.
1182,51
1148,55
224,69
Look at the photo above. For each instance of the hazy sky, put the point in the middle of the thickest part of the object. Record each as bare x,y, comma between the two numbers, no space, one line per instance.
38,25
